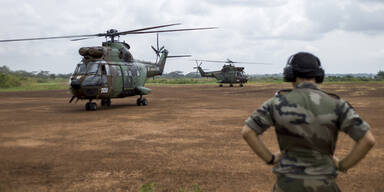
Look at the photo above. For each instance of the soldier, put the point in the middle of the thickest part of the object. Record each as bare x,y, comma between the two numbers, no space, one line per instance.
307,121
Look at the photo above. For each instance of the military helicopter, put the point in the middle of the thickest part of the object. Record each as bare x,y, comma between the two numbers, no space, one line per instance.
228,74
110,71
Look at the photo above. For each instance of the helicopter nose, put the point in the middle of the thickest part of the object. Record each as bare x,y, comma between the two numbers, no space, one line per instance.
93,80
76,84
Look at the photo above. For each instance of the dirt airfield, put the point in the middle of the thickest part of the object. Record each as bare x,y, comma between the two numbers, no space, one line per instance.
188,134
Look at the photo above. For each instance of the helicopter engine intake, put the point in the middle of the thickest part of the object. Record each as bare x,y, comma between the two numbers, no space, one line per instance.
94,52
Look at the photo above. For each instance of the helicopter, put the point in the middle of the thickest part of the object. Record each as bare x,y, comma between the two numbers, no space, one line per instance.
110,71
229,73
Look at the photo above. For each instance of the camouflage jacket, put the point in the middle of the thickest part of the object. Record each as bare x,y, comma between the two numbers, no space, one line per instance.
307,121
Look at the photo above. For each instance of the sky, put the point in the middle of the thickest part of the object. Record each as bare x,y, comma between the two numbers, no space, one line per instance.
347,35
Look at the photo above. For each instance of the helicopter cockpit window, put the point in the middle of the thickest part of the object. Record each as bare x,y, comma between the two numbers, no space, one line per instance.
103,70
81,69
90,68
115,70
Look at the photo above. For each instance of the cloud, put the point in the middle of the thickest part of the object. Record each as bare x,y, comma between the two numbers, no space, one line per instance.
257,30
358,16
252,3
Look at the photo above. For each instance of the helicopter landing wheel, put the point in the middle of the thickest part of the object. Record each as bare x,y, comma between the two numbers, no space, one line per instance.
106,102
142,101
221,85
91,106
241,85
231,85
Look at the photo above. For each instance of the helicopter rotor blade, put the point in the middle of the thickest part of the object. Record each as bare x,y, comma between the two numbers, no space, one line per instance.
147,28
230,61
173,30
56,37
79,39
156,51
213,61
83,38
174,56
253,63
110,34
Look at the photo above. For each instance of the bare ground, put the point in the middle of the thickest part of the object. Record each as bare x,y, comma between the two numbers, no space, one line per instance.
186,135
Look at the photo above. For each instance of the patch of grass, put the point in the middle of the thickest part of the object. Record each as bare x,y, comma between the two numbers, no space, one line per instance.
150,187
200,81
33,84
194,188
181,81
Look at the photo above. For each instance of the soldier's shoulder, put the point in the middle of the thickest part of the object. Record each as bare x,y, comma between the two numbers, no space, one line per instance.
282,92
332,95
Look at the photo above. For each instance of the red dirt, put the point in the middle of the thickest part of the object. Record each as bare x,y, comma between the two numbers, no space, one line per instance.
186,135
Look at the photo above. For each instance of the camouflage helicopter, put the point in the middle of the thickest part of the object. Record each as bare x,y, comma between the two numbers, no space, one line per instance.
110,71
228,74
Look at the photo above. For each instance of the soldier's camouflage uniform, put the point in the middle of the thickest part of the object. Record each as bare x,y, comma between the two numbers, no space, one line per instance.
307,121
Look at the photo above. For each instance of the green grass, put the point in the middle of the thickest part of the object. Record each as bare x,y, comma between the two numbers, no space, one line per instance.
151,187
32,84
161,81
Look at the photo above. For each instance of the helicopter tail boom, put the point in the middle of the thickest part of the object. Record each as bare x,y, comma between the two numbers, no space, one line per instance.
205,74
158,68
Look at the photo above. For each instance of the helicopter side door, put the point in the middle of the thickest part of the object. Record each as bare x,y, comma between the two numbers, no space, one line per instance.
117,81
128,84
106,81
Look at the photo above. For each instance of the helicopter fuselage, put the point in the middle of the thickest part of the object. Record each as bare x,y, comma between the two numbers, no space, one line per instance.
105,80
229,74
111,72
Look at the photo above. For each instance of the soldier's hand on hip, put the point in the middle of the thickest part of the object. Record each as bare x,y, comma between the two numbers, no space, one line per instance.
335,161
278,156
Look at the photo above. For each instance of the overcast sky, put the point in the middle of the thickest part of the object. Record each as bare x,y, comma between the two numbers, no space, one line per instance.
347,35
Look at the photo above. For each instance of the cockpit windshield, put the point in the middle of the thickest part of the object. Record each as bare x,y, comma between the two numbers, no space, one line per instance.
89,68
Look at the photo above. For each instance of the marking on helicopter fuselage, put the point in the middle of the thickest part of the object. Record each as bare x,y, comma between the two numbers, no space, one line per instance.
104,90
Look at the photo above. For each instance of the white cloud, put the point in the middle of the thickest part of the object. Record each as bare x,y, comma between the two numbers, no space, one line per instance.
345,34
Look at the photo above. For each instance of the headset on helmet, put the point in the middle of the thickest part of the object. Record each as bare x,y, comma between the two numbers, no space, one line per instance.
293,69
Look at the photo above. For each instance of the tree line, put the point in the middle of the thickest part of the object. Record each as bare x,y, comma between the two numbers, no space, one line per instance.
9,78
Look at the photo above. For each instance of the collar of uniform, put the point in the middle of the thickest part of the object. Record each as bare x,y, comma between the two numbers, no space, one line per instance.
308,85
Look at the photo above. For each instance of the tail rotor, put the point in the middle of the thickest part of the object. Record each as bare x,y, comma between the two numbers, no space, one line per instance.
197,66
157,50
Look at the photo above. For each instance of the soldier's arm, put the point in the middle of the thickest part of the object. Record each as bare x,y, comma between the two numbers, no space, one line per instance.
358,152
256,144
359,130
254,126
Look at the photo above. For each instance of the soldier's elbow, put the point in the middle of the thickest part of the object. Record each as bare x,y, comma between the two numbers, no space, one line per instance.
369,140
246,132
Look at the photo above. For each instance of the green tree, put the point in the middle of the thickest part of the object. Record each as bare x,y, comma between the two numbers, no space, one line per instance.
9,80
380,75
4,69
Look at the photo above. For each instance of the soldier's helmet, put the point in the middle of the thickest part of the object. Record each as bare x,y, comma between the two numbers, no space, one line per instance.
305,65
